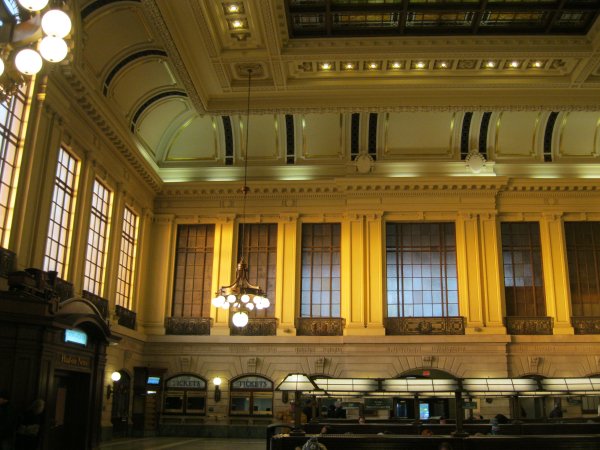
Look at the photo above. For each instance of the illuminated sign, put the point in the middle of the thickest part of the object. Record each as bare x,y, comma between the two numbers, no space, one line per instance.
252,383
76,337
153,380
186,382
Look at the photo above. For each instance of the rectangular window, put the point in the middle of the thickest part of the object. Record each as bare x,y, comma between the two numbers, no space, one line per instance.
129,234
320,289
260,252
421,270
193,271
583,257
95,257
13,120
58,241
523,279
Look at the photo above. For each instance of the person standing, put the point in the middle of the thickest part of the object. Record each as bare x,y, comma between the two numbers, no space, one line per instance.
8,422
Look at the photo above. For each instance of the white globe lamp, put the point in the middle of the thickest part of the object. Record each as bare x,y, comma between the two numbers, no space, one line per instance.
245,298
33,5
53,49
28,61
240,319
1,67
115,376
218,301
56,23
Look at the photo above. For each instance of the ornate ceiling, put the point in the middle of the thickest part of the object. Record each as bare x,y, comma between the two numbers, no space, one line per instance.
171,75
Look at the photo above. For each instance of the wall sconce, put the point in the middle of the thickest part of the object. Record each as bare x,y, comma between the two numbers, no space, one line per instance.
115,376
217,382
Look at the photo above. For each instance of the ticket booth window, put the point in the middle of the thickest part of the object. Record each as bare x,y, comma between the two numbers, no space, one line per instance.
251,396
185,394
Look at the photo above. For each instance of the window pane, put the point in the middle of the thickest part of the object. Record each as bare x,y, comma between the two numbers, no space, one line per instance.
193,271
421,269
260,252
95,262
522,259
129,234
61,214
583,256
320,270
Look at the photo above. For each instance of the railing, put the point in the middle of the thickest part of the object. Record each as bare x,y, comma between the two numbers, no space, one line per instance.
99,302
319,326
529,325
126,317
198,326
256,327
395,326
586,325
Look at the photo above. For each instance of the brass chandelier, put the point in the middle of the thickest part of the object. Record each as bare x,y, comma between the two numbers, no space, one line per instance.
241,296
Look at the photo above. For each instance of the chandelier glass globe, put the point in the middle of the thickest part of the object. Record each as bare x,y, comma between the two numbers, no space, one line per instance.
240,319
53,49
33,5
28,61
1,67
218,301
56,23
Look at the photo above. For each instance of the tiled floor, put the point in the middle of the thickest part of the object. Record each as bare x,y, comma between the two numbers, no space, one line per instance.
165,443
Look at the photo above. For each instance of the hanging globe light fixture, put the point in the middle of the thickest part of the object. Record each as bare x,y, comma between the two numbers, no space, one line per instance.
56,23
53,49
33,5
28,61
241,296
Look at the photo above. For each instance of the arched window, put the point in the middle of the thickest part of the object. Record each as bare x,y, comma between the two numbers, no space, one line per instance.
185,394
251,395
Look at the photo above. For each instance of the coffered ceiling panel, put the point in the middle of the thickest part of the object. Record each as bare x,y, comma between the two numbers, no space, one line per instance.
516,134
418,135
579,134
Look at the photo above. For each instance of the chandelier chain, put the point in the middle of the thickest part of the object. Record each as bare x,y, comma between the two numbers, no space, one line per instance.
245,188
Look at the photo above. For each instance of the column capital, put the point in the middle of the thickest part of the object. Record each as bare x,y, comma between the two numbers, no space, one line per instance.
163,219
289,217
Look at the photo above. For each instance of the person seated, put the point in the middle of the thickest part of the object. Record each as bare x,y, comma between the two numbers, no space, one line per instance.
361,420
324,430
426,432
442,420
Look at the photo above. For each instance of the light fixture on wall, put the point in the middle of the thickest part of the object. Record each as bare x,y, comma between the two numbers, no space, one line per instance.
241,296
38,32
217,383
115,377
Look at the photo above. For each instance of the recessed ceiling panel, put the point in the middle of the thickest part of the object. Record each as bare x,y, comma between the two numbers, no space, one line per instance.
322,136
515,134
417,135
579,134
109,33
134,82
264,138
158,120
196,140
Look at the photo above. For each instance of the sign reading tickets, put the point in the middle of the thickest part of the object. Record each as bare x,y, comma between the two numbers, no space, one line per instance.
186,382
246,383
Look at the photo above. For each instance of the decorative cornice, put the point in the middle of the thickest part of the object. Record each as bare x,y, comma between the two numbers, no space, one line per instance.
82,98
163,35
